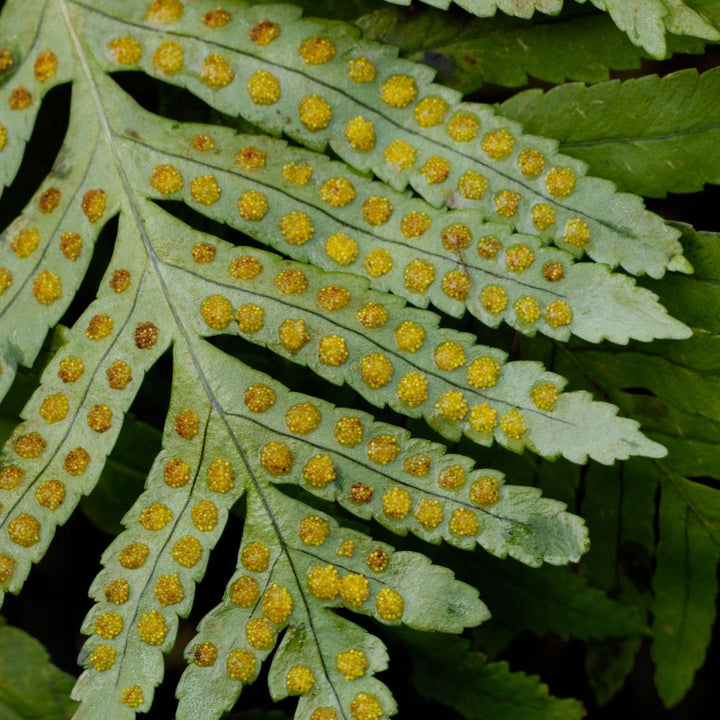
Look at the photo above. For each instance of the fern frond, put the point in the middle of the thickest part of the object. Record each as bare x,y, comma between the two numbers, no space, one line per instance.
645,21
320,85
469,53
232,430
454,259
668,147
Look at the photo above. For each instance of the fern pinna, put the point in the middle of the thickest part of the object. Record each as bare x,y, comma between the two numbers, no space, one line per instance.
497,225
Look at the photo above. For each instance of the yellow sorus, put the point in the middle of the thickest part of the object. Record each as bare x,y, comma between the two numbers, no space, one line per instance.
544,396
241,665
436,169
485,491
333,297
352,664
417,465
383,449
558,314
277,604
205,654
220,477
216,71
372,315
456,284
553,271
244,592
299,680
255,556
205,190
527,309
276,458
302,418
577,232
463,127
452,477
250,158
419,275
262,33
543,216
400,155
259,398
125,50
24,530
349,431
449,355
54,408
217,312
506,203
430,111
291,282
187,424
324,582
263,88
376,370
246,267
498,144
30,446
333,350
341,248
204,516
472,185
452,405
250,318
355,589
361,70
315,112
560,182
317,51
298,173
464,523
319,471
483,418
531,163
429,513
259,634
365,707
415,224
337,191
483,372
292,335
252,205
378,262
494,299
152,628
396,503
168,58
398,91
513,425
360,133
409,336
71,245
169,590
519,258
297,228
389,605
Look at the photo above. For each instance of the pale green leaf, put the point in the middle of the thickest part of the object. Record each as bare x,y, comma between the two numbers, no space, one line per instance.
454,247
586,214
650,135
31,687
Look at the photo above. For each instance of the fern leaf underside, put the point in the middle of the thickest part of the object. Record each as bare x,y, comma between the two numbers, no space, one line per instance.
234,431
